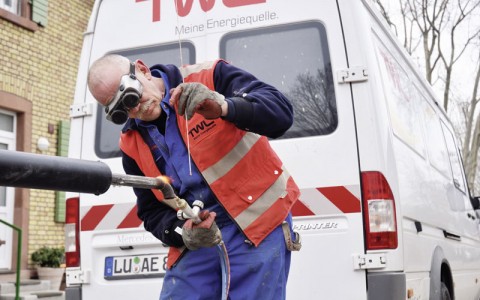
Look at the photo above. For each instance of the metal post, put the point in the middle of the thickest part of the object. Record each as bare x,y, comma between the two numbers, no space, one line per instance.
19,254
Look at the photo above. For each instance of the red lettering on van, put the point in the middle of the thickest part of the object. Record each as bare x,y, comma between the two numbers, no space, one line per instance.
183,9
235,3
155,9
207,5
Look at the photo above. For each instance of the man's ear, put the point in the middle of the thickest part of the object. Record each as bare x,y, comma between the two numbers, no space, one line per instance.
143,68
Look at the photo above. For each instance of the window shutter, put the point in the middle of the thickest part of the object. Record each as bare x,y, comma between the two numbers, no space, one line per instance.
62,150
40,12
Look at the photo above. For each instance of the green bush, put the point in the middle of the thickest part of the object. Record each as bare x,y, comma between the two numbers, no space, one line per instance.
51,257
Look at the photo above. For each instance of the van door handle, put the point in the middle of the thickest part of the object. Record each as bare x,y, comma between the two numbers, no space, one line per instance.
471,216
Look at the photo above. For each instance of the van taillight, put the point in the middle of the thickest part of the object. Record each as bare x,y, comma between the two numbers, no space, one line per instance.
379,212
72,236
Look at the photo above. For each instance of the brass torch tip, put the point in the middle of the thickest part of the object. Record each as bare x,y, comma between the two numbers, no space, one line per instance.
181,203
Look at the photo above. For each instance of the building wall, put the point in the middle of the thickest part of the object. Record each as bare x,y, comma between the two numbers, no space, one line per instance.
38,66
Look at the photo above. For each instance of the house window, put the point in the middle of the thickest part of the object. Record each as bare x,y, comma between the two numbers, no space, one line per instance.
10,5
28,14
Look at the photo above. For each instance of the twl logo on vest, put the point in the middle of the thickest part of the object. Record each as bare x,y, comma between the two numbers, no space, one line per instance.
201,128
206,5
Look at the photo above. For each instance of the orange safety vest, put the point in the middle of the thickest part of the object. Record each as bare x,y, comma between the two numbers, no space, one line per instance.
241,168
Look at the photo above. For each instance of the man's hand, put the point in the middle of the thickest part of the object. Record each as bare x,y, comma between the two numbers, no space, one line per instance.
203,234
195,97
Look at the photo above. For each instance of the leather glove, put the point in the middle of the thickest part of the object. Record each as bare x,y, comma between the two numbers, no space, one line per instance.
195,97
203,234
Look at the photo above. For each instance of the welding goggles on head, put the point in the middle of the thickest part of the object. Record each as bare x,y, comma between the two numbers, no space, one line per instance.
127,97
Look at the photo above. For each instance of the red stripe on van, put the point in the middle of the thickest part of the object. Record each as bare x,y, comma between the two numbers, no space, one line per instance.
93,217
342,198
300,209
131,220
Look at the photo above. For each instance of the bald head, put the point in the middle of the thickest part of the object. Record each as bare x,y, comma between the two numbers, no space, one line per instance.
104,76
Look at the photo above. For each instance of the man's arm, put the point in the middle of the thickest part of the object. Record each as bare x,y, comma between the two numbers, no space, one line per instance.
158,218
252,104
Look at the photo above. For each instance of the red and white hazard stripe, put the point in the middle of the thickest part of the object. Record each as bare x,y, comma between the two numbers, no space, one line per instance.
332,200
109,216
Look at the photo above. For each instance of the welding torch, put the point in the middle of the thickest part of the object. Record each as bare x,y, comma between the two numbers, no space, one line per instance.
37,171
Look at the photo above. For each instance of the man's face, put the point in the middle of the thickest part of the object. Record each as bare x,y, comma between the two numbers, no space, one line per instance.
148,108
107,85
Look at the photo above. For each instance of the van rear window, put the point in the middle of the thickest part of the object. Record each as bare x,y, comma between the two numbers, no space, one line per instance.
295,59
107,134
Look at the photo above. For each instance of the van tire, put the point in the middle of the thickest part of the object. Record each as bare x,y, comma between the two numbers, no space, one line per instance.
444,292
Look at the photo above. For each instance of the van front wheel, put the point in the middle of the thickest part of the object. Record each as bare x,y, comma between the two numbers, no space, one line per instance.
444,292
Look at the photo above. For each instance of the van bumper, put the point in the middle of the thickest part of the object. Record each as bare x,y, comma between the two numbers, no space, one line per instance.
73,293
390,285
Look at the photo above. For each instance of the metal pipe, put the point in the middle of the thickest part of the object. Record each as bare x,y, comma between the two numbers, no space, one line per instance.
28,170
144,183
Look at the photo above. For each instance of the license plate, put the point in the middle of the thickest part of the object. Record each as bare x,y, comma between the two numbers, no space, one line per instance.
135,266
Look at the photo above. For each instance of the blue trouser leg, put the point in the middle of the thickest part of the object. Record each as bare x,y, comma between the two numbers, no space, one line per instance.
256,272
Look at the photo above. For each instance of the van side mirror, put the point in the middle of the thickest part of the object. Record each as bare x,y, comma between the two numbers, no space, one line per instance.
475,202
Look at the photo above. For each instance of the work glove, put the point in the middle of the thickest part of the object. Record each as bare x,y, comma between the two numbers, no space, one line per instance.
194,98
201,235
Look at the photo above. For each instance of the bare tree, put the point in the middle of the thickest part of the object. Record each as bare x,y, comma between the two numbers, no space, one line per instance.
434,24
464,9
471,142
386,16
430,21
314,105
409,43
436,28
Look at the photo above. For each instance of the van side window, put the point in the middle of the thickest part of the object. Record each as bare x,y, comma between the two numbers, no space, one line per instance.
455,162
295,59
403,100
436,148
107,134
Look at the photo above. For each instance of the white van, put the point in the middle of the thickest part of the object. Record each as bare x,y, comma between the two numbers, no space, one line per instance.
385,211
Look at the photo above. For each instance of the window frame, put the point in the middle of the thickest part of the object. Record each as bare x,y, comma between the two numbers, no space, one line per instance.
430,123
137,53
396,79
325,54
8,138
12,133
456,166
23,18
3,2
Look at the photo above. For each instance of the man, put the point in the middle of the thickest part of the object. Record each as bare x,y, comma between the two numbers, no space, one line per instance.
205,127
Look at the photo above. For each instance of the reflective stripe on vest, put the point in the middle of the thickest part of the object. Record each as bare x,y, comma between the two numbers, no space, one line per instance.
213,173
265,202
